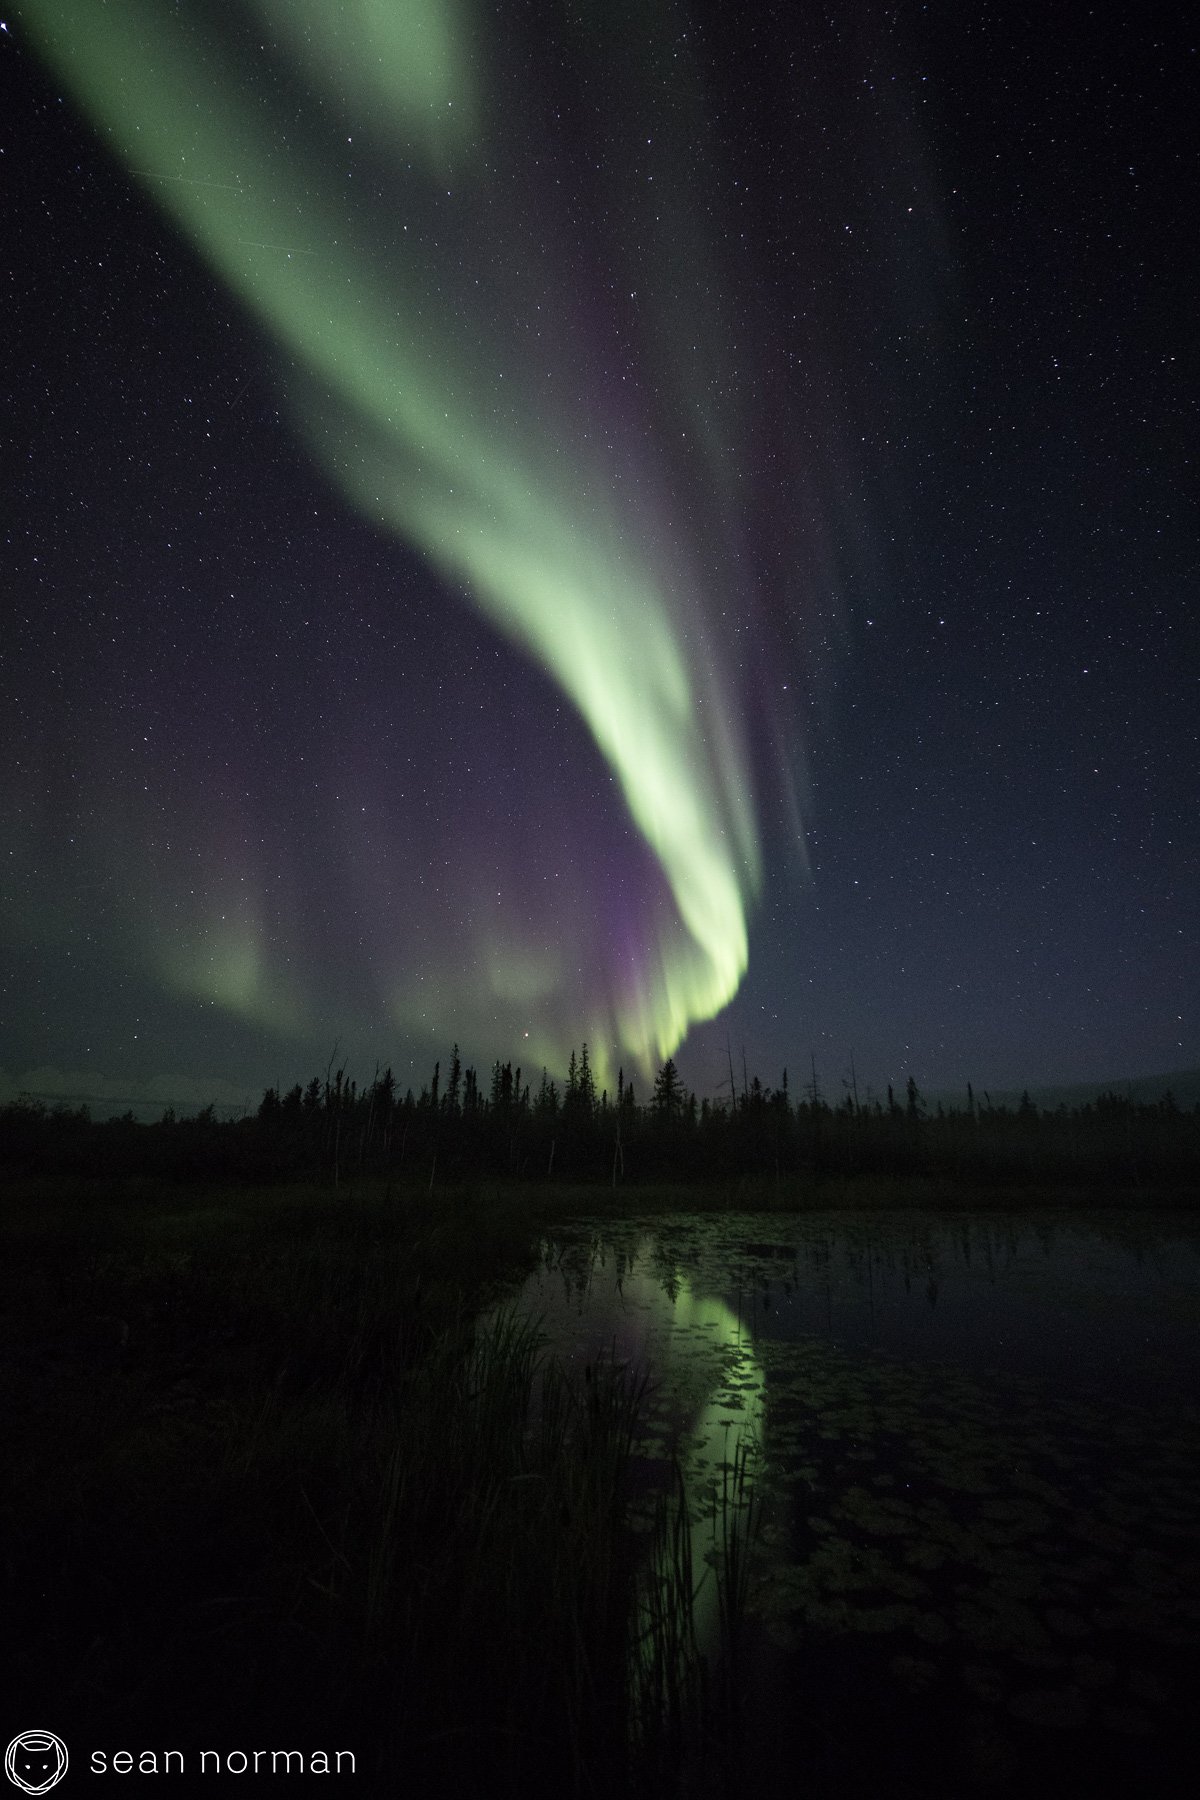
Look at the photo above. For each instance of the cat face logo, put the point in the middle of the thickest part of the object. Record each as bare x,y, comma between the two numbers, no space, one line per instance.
36,1761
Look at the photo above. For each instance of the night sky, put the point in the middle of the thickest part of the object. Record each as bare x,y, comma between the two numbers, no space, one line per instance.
663,526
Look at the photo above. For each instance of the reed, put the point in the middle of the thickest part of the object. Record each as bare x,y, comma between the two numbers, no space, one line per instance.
327,1494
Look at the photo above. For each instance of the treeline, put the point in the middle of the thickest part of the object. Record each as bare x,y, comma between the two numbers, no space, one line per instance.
458,1129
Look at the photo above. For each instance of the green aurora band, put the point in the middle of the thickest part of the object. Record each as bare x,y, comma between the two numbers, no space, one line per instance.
294,148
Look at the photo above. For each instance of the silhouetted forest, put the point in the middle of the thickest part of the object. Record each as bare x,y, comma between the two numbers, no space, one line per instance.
458,1129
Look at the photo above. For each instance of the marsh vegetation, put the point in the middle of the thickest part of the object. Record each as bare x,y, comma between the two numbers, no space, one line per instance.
976,1481
615,1488
266,1473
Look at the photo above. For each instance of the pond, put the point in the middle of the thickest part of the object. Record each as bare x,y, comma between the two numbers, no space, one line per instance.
975,1446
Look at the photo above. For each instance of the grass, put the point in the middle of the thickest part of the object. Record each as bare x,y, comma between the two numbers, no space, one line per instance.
266,1478
267,1482
551,1202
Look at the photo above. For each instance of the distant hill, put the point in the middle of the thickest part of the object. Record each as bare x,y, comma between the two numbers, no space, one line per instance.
1147,1090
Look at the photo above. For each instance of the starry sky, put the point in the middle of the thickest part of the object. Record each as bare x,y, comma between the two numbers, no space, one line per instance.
672,526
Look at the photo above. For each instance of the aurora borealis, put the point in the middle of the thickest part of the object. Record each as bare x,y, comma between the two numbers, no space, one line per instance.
550,527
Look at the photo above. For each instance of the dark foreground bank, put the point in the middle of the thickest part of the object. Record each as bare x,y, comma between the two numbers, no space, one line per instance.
268,1490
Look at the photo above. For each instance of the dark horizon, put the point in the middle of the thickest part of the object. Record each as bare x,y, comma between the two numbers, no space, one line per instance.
1180,1085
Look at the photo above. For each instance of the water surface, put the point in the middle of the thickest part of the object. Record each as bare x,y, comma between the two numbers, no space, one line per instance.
977,1443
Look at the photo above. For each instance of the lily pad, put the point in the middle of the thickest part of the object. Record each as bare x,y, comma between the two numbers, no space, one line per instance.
984,1682
1093,1671
915,1674
1063,1709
